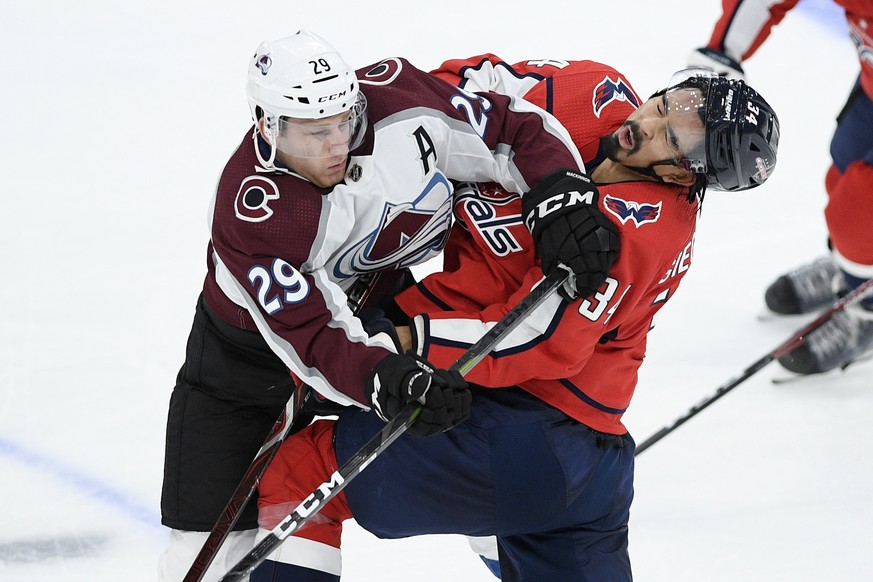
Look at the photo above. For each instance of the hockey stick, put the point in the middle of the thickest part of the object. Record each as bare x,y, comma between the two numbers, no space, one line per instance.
389,433
246,488
793,342
231,513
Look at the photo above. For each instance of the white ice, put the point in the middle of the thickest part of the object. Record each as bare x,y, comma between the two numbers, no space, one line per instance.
116,120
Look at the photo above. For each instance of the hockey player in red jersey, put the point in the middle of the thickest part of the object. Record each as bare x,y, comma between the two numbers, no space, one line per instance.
343,176
742,28
544,461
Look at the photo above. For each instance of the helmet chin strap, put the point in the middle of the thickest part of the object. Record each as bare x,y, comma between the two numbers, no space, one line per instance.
650,169
697,189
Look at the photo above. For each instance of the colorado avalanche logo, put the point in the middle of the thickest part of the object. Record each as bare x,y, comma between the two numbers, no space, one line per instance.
382,73
400,224
626,210
408,233
252,202
264,62
608,91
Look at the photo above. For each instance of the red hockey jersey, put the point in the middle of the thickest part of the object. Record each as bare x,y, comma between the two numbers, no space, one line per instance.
582,356
590,99
745,24
283,253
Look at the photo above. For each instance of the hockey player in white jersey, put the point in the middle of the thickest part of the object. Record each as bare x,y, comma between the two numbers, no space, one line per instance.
344,175
544,463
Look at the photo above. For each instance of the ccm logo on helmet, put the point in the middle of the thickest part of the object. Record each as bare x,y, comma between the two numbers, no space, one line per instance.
332,97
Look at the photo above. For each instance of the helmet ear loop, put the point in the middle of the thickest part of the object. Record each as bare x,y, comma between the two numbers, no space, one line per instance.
267,128
271,125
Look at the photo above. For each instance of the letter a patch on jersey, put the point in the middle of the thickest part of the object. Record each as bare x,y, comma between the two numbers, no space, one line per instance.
626,210
608,91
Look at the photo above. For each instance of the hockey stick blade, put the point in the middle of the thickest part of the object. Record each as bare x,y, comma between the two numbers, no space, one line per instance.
793,342
389,433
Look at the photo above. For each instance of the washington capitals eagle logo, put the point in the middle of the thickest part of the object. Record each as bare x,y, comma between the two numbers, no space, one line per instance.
626,210
608,91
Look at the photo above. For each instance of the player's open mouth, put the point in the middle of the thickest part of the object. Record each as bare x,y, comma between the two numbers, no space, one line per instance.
626,137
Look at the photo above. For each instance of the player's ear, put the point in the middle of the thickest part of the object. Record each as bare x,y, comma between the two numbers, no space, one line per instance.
677,175
262,129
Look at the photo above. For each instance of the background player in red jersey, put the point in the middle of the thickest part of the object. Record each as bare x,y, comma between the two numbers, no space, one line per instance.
343,175
544,461
742,28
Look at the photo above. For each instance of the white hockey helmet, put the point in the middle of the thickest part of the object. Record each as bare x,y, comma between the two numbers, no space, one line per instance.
302,77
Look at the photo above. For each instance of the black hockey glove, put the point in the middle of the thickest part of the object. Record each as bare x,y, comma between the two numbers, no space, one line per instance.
723,65
570,232
401,379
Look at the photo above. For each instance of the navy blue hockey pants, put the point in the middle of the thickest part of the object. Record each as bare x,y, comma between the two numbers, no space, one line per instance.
555,493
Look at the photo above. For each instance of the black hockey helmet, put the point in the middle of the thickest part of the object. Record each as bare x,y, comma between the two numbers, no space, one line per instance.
738,151
742,135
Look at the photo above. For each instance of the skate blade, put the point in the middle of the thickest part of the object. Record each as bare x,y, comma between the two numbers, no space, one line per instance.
787,377
766,315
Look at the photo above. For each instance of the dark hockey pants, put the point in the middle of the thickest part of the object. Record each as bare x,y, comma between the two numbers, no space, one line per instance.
228,395
555,493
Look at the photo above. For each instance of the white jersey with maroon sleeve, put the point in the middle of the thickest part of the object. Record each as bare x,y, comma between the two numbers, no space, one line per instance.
283,253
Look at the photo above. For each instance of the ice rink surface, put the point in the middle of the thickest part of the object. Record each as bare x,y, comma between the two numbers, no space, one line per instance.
118,117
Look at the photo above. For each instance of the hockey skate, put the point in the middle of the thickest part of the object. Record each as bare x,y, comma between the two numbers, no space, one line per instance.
806,289
845,338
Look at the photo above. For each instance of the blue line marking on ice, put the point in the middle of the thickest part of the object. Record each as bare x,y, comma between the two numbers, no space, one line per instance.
83,483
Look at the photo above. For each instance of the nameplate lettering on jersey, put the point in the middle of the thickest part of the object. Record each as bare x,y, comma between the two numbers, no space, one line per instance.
681,263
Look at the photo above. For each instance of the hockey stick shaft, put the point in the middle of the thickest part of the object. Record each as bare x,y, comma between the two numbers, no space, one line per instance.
246,488
231,513
389,433
782,349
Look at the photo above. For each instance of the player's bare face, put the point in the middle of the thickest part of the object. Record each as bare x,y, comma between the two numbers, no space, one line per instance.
323,172
317,149
653,134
